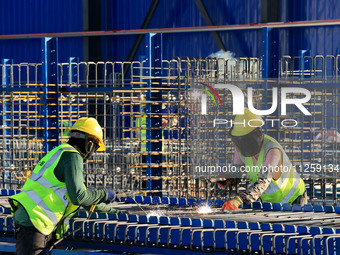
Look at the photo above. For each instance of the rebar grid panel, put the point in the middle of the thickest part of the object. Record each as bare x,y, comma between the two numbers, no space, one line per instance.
21,117
314,146
120,102
311,142
211,149
318,67
219,69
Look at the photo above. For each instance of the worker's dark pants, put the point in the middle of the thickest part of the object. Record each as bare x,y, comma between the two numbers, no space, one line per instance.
31,241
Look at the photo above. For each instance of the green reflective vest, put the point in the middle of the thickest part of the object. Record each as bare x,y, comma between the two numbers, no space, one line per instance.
283,190
44,197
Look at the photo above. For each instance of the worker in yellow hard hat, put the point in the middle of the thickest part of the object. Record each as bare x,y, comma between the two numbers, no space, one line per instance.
55,190
266,164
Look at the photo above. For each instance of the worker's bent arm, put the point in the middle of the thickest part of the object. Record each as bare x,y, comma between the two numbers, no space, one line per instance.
273,158
102,208
72,166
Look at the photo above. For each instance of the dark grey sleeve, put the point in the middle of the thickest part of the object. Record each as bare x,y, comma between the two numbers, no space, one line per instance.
254,192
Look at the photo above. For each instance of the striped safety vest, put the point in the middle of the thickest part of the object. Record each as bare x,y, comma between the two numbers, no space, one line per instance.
44,197
283,190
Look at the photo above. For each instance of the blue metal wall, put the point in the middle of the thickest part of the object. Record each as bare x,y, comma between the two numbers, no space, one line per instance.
320,40
129,14
29,50
40,16
299,10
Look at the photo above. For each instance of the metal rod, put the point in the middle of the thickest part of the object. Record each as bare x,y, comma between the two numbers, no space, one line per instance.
139,206
309,23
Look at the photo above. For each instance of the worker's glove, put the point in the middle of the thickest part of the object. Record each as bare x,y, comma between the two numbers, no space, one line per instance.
121,194
111,196
232,204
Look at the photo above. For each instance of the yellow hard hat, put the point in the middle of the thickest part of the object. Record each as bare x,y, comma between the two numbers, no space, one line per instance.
91,127
241,123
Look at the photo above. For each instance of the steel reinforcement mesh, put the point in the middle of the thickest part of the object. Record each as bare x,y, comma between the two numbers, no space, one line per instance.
175,109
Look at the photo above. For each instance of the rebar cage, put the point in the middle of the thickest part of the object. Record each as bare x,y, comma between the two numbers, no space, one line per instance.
159,122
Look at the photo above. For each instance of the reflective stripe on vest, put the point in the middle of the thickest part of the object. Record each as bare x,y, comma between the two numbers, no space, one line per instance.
43,196
284,190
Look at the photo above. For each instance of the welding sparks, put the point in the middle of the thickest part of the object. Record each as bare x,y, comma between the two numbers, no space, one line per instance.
204,209
156,213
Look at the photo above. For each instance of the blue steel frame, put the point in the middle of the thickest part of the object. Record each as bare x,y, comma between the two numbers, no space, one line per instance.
153,46
73,80
93,248
304,63
73,70
6,80
270,59
237,232
270,52
50,79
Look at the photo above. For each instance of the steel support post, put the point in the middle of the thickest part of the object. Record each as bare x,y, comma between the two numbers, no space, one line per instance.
6,116
270,62
305,63
154,124
6,81
73,79
270,53
73,75
50,104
